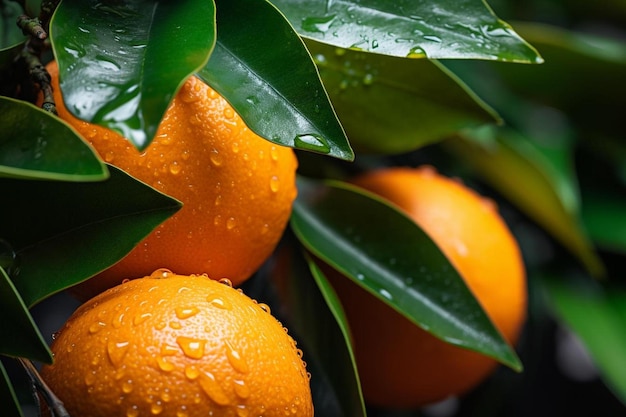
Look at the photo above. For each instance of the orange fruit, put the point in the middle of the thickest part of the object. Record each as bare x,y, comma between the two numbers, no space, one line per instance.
237,188
401,365
177,346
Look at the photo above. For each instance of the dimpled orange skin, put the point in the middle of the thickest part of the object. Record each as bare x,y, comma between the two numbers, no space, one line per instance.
237,188
178,346
401,365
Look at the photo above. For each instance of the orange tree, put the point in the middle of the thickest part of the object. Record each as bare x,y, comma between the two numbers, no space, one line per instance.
528,110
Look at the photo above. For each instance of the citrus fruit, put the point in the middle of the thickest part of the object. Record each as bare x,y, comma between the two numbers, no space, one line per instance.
237,188
401,365
177,346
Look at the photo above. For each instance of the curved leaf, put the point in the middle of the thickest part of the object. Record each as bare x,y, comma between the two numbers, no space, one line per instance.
407,28
10,34
8,399
393,105
63,233
19,335
271,79
603,215
120,63
511,165
35,144
395,261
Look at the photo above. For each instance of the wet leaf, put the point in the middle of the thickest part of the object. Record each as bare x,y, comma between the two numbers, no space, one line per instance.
406,28
318,318
36,144
120,63
19,335
395,261
509,162
393,105
8,399
276,89
597,316
63,233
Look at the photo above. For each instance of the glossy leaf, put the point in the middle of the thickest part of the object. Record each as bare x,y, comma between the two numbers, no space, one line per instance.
63,233
19,335
393,105
8,399
10,34
276,89
120,63
395,261
510,164
406,28
598,318
318,318
603,216
36,144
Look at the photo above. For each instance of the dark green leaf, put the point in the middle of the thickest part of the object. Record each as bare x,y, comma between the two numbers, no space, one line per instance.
271,80
10,34
120,63
36,144
63,233
510,163
598,318
19,335
8,399
406,28
604,217
318,319
397,262
392,105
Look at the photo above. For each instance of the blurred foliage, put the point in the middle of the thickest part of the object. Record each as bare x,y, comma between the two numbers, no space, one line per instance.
521,100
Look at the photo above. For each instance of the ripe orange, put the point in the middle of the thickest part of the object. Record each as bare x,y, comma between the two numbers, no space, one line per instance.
237,188
177,346
401,365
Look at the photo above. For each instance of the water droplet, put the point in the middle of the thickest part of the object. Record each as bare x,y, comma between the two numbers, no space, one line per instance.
274,153
235,147
175,168
231,223
109,156
90,378
161,273
192,348
319,24
165,364
117,351
156,408
312,142
96,327
211,387
226,282
219,303
265,307
274,184
140,318
416,52
241,389
216,158
236,359
432,38
217,220
385,294
182,413
175,325
192,372
166,396
186,312
127,386
242,411
132,411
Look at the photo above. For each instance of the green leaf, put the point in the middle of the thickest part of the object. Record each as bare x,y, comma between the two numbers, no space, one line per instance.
406,28
19,335
10,34
395,261
317,317
509,162
120,63
603,216
8,399
598,317
271,80
393,105
36,144
63,233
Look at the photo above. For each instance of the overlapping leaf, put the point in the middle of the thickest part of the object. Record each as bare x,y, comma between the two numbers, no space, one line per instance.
35,144
8,399
271,80
392,105
122,62
62,233
396,261
407,28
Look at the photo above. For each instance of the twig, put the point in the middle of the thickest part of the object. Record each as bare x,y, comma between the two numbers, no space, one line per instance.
53,402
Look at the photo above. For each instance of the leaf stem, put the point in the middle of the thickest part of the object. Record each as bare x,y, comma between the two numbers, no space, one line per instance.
53,402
